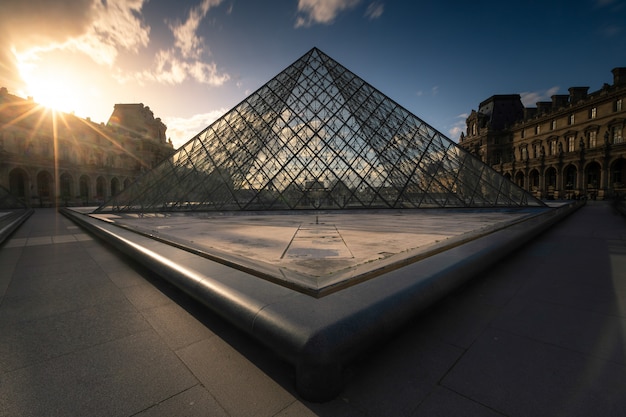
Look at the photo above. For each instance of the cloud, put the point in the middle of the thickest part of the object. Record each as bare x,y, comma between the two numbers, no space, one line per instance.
434,90
455,131
185,34
530,99
114,25
321,11
95,28
374,10
172,70
185,60
181,129
43,21
458,127
101,30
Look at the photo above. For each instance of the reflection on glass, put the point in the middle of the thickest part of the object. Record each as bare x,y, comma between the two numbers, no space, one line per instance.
316,136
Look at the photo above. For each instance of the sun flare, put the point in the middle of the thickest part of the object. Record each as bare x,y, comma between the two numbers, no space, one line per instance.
53,94
52,85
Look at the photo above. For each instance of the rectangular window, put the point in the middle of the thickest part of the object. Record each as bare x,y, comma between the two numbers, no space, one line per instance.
593,139
553,145
524,153
617,135
618,105
593,113
553,125
571,119
571,144
522,134
537,129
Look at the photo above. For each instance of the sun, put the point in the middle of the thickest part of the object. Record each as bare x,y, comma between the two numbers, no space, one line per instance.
51,83
53,92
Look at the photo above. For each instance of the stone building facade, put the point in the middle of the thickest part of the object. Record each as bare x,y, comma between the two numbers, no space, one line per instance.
50,158
570,147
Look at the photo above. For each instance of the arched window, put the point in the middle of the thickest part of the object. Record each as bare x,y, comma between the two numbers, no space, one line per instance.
550,177
592,175
101,186
570,177
618,173
84,185
115,186
534,179
65,185
44,184
17,182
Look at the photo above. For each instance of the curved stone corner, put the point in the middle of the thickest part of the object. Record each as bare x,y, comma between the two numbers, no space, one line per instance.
321,336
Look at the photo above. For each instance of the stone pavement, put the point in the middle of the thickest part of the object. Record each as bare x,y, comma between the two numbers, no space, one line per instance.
85,331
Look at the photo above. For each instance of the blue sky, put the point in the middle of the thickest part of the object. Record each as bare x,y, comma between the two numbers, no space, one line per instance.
190,61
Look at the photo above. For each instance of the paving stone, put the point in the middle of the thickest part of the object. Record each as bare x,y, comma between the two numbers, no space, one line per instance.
518,376
27,307
336,408
236,383
145,296
8,261
25,343
458,320
194,402
176,326
119,378
444,403
603,299
396,379
540,334
594,334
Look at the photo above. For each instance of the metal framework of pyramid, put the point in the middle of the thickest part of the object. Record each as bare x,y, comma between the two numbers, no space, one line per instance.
317,136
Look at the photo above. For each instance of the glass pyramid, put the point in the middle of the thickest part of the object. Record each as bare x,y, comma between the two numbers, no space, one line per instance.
317,136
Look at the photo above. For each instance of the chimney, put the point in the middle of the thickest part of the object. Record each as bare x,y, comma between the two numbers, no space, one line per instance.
559,100
544,107
577,93
619,76
530,112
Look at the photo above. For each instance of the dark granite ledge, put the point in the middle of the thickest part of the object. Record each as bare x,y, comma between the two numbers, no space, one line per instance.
320,336
10,221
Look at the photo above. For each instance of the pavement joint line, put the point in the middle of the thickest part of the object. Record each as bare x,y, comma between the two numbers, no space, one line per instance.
290,242
20,242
